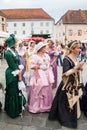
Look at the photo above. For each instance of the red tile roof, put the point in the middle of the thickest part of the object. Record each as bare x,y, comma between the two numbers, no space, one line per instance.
2,14
36,13
75,17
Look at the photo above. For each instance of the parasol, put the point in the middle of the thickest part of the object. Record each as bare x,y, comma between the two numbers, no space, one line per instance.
36,39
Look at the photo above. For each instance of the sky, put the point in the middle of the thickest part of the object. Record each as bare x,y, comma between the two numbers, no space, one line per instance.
55,8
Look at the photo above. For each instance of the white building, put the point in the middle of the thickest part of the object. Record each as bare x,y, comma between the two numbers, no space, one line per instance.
28,22
3,33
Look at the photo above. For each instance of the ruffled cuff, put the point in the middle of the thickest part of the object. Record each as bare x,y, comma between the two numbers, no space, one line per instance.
15,72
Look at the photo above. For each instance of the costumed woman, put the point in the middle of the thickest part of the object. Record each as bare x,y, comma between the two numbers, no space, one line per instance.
40,91
62,109
21,52
51,50
30,50
13,100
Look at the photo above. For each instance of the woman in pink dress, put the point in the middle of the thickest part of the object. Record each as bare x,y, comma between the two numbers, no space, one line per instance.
40,91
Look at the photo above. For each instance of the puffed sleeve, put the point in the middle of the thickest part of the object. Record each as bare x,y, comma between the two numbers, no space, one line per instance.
10,61
68,67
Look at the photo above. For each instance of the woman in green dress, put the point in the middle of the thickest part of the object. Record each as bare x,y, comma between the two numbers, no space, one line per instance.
13,75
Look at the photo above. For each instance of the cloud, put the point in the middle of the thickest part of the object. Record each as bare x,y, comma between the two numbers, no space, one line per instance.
6,1
55,8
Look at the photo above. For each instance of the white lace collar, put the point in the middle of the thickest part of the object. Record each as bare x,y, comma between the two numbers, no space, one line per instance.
11,51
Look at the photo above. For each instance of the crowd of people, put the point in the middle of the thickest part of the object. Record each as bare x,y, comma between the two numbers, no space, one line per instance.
33,68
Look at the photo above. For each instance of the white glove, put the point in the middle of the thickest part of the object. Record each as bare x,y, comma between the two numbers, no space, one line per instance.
21,67
15,72
21,86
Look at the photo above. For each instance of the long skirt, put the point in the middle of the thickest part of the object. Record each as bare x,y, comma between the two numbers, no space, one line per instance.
12,100
40,100
60,110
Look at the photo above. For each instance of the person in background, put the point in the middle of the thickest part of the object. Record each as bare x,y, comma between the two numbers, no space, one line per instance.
59,56
61,110
83,52
21,52
30,50
40,91
32,47
13,76
51,50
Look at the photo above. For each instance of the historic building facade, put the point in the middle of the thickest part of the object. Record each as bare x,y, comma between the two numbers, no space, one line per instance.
26,22
72,26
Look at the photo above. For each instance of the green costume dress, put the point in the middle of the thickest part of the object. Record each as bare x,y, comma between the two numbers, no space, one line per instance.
12,99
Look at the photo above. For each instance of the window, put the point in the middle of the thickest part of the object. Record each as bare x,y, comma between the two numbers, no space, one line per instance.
15,25
47,24
41,32
79,32
41,24
63,33
3,27
23,32
32,31
70,33
2,19
32,24
23,24
15,32
47,31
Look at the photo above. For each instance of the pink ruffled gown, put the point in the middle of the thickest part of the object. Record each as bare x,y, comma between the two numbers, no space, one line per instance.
40,95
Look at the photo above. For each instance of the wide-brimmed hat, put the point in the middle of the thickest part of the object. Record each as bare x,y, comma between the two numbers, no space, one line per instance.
10,40
39,46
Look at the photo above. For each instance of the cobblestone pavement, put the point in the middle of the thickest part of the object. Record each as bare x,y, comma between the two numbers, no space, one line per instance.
38,121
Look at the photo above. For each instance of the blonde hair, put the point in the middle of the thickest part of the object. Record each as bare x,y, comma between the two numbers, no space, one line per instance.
72,47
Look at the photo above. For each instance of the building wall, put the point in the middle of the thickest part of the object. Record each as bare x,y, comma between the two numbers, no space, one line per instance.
63,32
60,32
31,27
2,23
75,29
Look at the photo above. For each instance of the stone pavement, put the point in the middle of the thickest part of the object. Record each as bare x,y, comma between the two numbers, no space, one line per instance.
37,121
